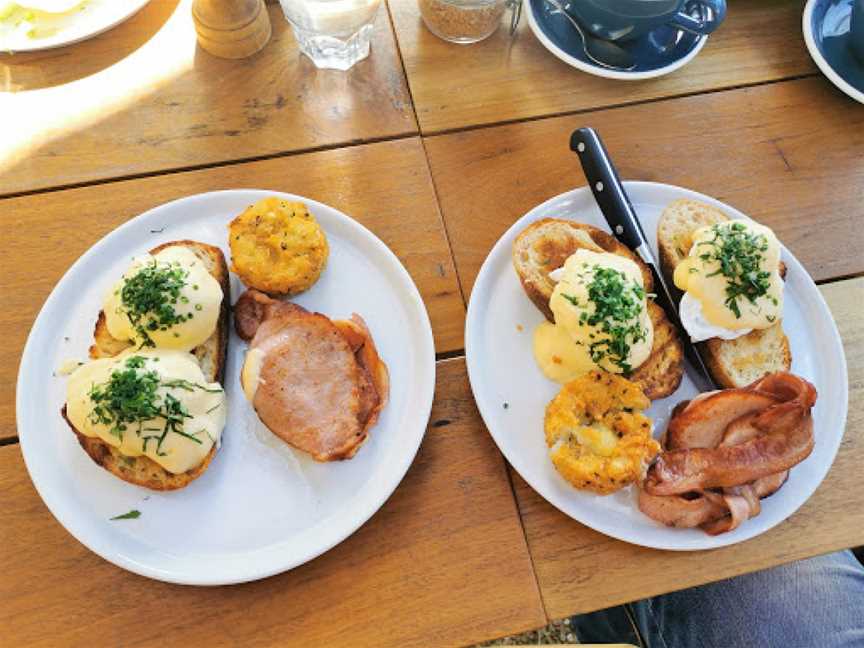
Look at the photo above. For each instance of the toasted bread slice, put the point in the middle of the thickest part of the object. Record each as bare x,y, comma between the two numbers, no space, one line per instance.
660,375
545,245
732,363
143,471
742,361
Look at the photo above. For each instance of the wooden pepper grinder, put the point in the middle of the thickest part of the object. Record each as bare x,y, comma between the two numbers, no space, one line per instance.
231,28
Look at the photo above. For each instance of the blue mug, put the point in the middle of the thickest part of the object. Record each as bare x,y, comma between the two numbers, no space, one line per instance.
856,30
618,20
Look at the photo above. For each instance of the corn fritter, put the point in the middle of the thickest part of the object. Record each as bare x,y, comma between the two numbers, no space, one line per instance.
599,438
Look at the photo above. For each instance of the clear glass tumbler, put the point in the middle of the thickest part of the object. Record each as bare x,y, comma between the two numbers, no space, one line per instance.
333,33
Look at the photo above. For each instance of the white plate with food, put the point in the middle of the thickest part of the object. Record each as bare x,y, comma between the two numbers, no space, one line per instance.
512,391
30,25
190,509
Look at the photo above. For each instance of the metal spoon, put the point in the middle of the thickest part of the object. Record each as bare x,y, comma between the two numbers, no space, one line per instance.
602,52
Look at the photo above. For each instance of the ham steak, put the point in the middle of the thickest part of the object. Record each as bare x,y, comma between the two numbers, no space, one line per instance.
321,384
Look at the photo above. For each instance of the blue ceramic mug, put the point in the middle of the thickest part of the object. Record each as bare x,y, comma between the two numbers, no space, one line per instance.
619,20
856,30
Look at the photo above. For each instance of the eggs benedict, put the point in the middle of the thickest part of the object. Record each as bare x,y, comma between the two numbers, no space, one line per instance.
601,318
153,403
731,281
166,300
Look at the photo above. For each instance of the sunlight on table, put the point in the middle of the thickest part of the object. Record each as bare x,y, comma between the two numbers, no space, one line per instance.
32,118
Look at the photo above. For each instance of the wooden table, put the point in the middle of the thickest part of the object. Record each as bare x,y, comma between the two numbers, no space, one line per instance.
437,149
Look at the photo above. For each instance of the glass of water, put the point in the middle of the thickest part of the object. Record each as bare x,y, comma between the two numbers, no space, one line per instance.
333,33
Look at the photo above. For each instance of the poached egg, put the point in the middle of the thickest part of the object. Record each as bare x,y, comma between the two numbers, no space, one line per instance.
731,281
155,403
168,300
601,318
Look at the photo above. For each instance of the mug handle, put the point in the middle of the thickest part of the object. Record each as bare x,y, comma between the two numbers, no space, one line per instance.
715,10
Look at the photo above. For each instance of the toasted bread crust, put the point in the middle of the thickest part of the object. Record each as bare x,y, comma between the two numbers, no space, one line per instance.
732,363
143,471
555,240
748,358
660,375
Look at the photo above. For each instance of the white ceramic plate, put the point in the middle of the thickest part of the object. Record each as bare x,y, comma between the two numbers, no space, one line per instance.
94,17
502,370
260,508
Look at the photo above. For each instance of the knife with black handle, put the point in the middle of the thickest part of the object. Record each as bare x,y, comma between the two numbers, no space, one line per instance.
622,220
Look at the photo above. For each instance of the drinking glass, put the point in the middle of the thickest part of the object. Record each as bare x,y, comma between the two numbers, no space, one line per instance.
333,33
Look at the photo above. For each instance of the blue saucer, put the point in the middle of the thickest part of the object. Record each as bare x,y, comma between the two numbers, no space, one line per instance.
826,31
659,52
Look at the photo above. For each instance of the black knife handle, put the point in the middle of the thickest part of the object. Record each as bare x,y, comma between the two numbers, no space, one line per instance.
606,187
622,219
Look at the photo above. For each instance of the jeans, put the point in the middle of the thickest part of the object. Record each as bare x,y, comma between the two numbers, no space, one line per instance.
815,603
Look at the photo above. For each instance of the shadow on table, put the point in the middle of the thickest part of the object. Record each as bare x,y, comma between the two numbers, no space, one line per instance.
54,67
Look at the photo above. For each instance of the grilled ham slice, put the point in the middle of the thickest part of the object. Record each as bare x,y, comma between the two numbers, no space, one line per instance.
320,383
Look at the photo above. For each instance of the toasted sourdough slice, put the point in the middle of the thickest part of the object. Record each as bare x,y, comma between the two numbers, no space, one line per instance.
545,245
732,363
143,471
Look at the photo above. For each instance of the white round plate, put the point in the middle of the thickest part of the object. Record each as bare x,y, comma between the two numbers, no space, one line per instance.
502,371
261,508
95,17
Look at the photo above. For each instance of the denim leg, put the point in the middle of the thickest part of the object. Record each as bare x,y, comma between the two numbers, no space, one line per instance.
812,603
610,626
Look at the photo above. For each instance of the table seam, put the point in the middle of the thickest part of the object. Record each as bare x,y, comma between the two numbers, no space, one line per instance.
212,165
611,106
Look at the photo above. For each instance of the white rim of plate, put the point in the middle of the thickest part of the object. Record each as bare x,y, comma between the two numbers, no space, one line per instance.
597,70
57,41
821,62
358,517
486,270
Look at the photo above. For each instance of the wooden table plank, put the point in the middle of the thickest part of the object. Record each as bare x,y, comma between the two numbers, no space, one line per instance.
443,563
386,186
143,97
502,79
788,154
580,570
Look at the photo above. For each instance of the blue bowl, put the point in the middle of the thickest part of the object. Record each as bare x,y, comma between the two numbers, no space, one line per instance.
656,53
827,34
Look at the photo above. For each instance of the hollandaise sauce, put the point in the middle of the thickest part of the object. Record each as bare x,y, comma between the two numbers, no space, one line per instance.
154,403
601,319
168,300
733,271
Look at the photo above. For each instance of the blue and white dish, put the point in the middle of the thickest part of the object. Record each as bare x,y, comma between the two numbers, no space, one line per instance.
827,32
660,51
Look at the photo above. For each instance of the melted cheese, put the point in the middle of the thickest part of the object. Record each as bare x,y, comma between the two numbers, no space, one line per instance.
201,297
250,375
177,453
702,279
562,350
